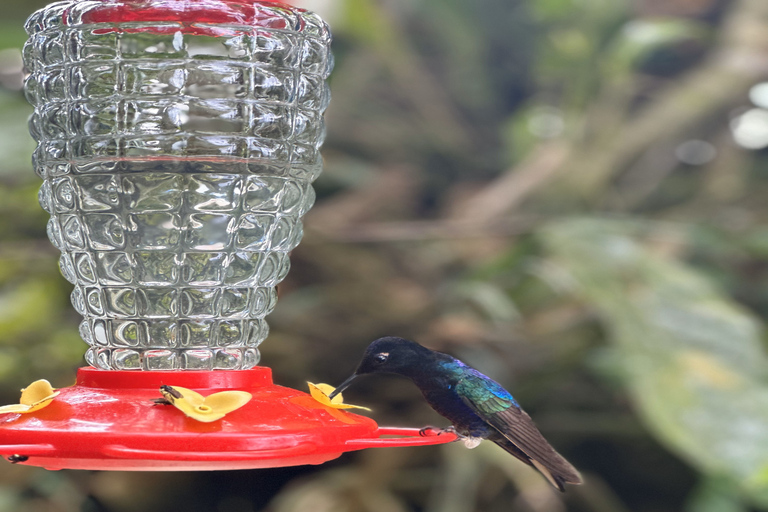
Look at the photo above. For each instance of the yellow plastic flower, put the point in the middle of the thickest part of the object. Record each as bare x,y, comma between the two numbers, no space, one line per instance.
320,393
33,398
205,408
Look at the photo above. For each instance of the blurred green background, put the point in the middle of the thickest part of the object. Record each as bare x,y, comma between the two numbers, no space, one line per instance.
570,195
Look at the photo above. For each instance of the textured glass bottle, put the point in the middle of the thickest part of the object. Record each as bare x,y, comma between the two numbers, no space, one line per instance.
178,140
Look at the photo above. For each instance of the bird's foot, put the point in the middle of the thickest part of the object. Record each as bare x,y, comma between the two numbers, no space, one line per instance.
469,441
434,431
429,431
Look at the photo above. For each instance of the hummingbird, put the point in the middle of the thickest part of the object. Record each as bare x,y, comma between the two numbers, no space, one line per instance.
477,406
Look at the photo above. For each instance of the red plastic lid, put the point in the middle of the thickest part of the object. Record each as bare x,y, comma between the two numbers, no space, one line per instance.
108,421
191,12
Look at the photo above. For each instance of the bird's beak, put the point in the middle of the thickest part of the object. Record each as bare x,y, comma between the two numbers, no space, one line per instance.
344,385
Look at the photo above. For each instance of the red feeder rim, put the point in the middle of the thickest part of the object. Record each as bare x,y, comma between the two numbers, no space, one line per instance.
200,17
108,421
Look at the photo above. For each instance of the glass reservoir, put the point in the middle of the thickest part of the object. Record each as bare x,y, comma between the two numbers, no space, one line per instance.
177,143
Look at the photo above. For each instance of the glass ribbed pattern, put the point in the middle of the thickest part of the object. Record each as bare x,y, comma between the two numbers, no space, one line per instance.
177,161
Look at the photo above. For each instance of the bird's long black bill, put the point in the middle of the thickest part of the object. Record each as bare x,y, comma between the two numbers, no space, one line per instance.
344,385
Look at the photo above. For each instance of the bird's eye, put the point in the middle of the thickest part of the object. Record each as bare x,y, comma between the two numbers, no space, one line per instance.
382,357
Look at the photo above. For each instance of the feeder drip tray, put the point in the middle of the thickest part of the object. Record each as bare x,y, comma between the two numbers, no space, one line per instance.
109,421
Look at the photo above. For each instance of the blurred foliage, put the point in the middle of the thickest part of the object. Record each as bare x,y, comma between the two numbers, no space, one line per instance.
691,358
550,190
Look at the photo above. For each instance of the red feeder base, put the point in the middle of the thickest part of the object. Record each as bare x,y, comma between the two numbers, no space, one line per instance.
107,421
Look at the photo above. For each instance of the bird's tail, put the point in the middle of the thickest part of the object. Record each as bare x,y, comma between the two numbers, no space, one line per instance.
553,467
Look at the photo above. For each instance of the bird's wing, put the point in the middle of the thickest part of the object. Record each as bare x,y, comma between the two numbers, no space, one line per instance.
494,404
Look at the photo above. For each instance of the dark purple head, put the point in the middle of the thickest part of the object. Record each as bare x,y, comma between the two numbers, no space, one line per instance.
389,355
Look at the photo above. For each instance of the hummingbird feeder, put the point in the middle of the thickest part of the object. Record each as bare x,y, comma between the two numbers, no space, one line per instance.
177,142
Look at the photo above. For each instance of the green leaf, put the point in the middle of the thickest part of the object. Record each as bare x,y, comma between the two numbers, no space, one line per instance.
691,357
23,306
640,38
715,495
489,299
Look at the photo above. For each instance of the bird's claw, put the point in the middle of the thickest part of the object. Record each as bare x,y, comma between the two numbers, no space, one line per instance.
434,431
429,431
450,430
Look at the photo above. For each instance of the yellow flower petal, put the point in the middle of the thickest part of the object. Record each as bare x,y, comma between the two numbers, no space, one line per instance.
36,392
227,401
320,393
198,412
33,398
14,408
42,403
205,409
